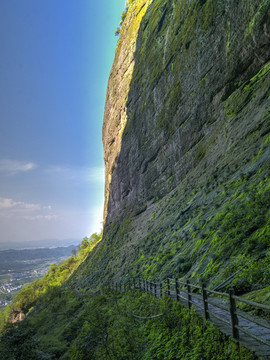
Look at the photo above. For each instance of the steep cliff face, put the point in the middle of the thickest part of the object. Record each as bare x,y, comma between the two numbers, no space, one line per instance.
115,115
171,110
187,194
186,142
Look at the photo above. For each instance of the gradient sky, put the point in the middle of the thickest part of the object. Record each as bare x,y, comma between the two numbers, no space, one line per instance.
55,60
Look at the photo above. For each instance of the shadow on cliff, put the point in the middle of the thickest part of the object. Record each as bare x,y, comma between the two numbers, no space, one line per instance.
183,73
130,178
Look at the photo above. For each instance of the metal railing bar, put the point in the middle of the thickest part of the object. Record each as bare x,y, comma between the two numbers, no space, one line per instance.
220,306
157,288
219,318
253,336
195,286
252,319
184,284
217,293
182,297
253,303
181,283
197,305
232,276
197,296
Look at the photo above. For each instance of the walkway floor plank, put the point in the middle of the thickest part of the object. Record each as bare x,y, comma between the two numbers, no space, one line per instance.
262,350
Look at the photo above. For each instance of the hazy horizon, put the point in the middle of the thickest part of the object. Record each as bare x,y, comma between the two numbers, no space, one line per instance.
46,243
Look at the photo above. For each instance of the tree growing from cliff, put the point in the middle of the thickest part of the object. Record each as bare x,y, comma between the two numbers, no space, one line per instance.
123,16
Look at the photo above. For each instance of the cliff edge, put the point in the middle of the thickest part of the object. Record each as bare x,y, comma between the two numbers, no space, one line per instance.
186,141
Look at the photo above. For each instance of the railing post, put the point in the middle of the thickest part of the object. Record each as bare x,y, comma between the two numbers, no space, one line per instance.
155,289
205,303
189,294
168,287
176,289
160,289
234,317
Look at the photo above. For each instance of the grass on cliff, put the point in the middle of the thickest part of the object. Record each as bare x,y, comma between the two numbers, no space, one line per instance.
56,276
68,326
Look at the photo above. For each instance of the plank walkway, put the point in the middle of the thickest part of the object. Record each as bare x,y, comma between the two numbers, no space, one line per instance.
260,349
219,314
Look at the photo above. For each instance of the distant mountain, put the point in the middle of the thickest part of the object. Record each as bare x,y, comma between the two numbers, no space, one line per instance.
21,260
49,243
33,254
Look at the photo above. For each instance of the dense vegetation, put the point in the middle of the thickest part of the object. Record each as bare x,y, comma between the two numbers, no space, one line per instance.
211,223
34,292
220,230
118,326
64,323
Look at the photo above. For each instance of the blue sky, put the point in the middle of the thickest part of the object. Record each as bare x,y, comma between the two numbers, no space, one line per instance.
56,56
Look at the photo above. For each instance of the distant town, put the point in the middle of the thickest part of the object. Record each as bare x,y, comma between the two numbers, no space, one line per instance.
16,281
18,267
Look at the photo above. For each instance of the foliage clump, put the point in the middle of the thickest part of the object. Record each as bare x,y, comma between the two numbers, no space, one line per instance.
116,325
56,276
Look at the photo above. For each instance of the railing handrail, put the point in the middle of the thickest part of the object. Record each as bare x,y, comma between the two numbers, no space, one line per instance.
158,288
217,293
253,303
238,298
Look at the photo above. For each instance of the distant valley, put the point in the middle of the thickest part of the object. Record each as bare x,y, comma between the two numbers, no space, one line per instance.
18,267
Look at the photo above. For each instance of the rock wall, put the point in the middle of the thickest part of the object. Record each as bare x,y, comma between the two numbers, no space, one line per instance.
186,145
169,113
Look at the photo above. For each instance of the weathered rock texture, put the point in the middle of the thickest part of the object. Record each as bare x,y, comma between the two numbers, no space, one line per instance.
186,140
168,110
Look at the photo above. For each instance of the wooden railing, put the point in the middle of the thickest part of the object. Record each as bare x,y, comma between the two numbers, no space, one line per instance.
208,303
